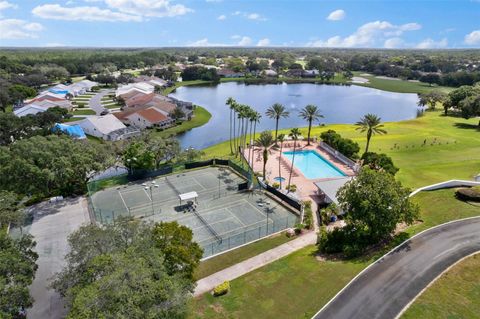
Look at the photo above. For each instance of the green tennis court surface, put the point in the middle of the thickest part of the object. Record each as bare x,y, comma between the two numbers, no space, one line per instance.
223,217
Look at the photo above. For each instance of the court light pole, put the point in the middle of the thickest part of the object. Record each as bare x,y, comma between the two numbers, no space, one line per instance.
150,187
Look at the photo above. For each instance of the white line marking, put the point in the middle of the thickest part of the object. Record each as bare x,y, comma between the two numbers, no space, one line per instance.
123,200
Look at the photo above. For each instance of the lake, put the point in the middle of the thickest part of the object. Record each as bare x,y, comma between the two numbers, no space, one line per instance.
339,104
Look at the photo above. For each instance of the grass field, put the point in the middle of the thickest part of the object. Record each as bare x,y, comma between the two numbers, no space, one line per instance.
298,285
456,294
451,150
84,112
399,86
202,116
212,265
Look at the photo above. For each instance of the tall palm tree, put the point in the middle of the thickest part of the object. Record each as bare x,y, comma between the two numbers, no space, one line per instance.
370,123
294,134
265,140
240,115
281,139
310,113
256,119
276,112
231,103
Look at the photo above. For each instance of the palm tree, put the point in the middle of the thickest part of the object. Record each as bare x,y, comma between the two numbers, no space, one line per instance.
294,134
277,111
256,119
231,103
310,113
265,140
281,139
370,123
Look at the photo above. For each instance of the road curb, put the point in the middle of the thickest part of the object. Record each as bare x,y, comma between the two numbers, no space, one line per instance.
385,255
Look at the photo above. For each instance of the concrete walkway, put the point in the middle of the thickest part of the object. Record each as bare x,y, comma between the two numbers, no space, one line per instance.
208,283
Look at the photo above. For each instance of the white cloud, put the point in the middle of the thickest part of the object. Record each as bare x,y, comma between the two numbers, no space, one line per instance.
250,16
367,35
4,5
86,13
336,15
394,43
55,44
149,8
255,16
222,17
473,38
217,1
432,44
263,42
244,41
205,43
239,41
19,29
7,5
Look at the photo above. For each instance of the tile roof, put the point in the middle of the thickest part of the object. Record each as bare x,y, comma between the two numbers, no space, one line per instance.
152,115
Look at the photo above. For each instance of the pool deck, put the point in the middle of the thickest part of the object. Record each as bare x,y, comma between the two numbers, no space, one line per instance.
306,189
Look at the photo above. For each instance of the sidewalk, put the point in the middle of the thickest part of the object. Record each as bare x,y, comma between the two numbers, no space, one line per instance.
208,283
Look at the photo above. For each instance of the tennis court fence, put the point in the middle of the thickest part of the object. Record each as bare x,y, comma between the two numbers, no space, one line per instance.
246,235
96,185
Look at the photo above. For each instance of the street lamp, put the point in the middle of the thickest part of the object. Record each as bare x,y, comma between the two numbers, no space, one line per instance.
150,187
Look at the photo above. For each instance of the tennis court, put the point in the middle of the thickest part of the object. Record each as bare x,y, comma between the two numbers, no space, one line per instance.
221,216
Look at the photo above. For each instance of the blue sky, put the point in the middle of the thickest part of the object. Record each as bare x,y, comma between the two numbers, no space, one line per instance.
299,23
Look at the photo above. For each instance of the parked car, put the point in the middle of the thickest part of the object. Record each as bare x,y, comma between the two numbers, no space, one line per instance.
105,112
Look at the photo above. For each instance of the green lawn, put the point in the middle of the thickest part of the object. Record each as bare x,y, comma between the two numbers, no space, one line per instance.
456,294
84,112
73,119
298,285
202,116
399,86
455,152
235,256
292,287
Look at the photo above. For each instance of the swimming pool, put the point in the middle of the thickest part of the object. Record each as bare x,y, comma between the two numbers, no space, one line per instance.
313,165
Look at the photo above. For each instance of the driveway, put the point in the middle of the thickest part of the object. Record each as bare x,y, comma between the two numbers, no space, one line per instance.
95,102
385,288
51,226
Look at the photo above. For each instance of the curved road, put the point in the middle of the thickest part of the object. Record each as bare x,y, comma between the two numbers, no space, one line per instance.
386,287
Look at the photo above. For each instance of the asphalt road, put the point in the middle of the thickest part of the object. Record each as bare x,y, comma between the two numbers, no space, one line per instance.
95,102
384,289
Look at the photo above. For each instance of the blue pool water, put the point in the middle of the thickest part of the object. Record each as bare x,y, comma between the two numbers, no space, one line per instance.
313,165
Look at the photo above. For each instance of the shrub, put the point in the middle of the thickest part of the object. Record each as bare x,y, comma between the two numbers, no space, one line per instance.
221,289
95,88
292,188
468,194
308,217
298,228
379,161
345,146
276,185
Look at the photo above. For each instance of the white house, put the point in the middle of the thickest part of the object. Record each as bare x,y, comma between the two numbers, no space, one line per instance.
141,87
102,126
29,109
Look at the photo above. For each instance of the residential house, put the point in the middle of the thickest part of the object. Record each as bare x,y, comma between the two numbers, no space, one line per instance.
29,109
141,87
227,73
149,118
107,127
270,73
310,73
